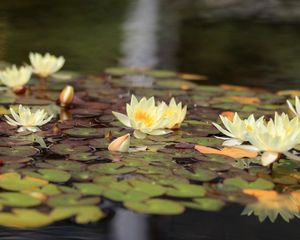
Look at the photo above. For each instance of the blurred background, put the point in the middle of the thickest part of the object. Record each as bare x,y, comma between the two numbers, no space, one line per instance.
245,42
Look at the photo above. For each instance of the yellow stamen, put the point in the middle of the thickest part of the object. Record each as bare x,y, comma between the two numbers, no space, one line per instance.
141,116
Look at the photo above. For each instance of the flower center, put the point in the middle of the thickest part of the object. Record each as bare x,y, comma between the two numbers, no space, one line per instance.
144,117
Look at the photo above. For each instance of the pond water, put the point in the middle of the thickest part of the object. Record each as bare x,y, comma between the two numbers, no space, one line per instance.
164,34
159,34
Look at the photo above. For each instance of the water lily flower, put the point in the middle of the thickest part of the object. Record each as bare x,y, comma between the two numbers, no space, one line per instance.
175,113
274,137
236,129
15,78
144,117
296,109
28,120
120,144
45,65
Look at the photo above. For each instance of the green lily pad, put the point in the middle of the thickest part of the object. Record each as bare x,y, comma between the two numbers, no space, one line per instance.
111,168
83,214
24,218
84,156
14,182
205,204
85,132
89,188
161,73
156,206
54,175
71,199
238,182
18,151
18,200
65,149
186,190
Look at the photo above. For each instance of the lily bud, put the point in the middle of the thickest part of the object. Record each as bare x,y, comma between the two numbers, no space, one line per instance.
66,96
120,144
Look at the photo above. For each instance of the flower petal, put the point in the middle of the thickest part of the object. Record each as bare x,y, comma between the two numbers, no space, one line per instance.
269,157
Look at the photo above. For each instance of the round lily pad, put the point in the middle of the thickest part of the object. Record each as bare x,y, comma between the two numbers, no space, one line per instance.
54,175
85,132
18,200
186,190
156,206
18,151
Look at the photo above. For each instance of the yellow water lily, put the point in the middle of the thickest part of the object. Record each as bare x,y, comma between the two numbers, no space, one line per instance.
236,129
15,78
174,113
45,65
296,109
144,117
278,135
27,120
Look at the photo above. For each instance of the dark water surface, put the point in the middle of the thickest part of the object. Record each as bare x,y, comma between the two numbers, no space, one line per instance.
95,34
192,225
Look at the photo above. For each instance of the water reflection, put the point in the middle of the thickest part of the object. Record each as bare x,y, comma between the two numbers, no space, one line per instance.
271,205
151,33
140,35
129,225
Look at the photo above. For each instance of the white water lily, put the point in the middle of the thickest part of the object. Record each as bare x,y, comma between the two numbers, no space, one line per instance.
236,129
144,117
15,78
296,109
274,137
175,113
27,120
45,65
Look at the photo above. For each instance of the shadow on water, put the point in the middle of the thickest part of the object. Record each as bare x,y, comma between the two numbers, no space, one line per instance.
192,225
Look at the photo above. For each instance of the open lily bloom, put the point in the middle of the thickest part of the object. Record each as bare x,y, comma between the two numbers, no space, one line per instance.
175,113
27,120
45,65
296,109
15,78
274,137
236,130
144,117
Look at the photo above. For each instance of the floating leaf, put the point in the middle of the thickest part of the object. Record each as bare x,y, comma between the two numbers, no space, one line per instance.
206,204
71,199
227,151
13,181
85,132
186,190
18,200
238,182
54,175
156,206
18,151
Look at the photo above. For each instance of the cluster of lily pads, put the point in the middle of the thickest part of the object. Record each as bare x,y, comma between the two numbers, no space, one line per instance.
79,167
